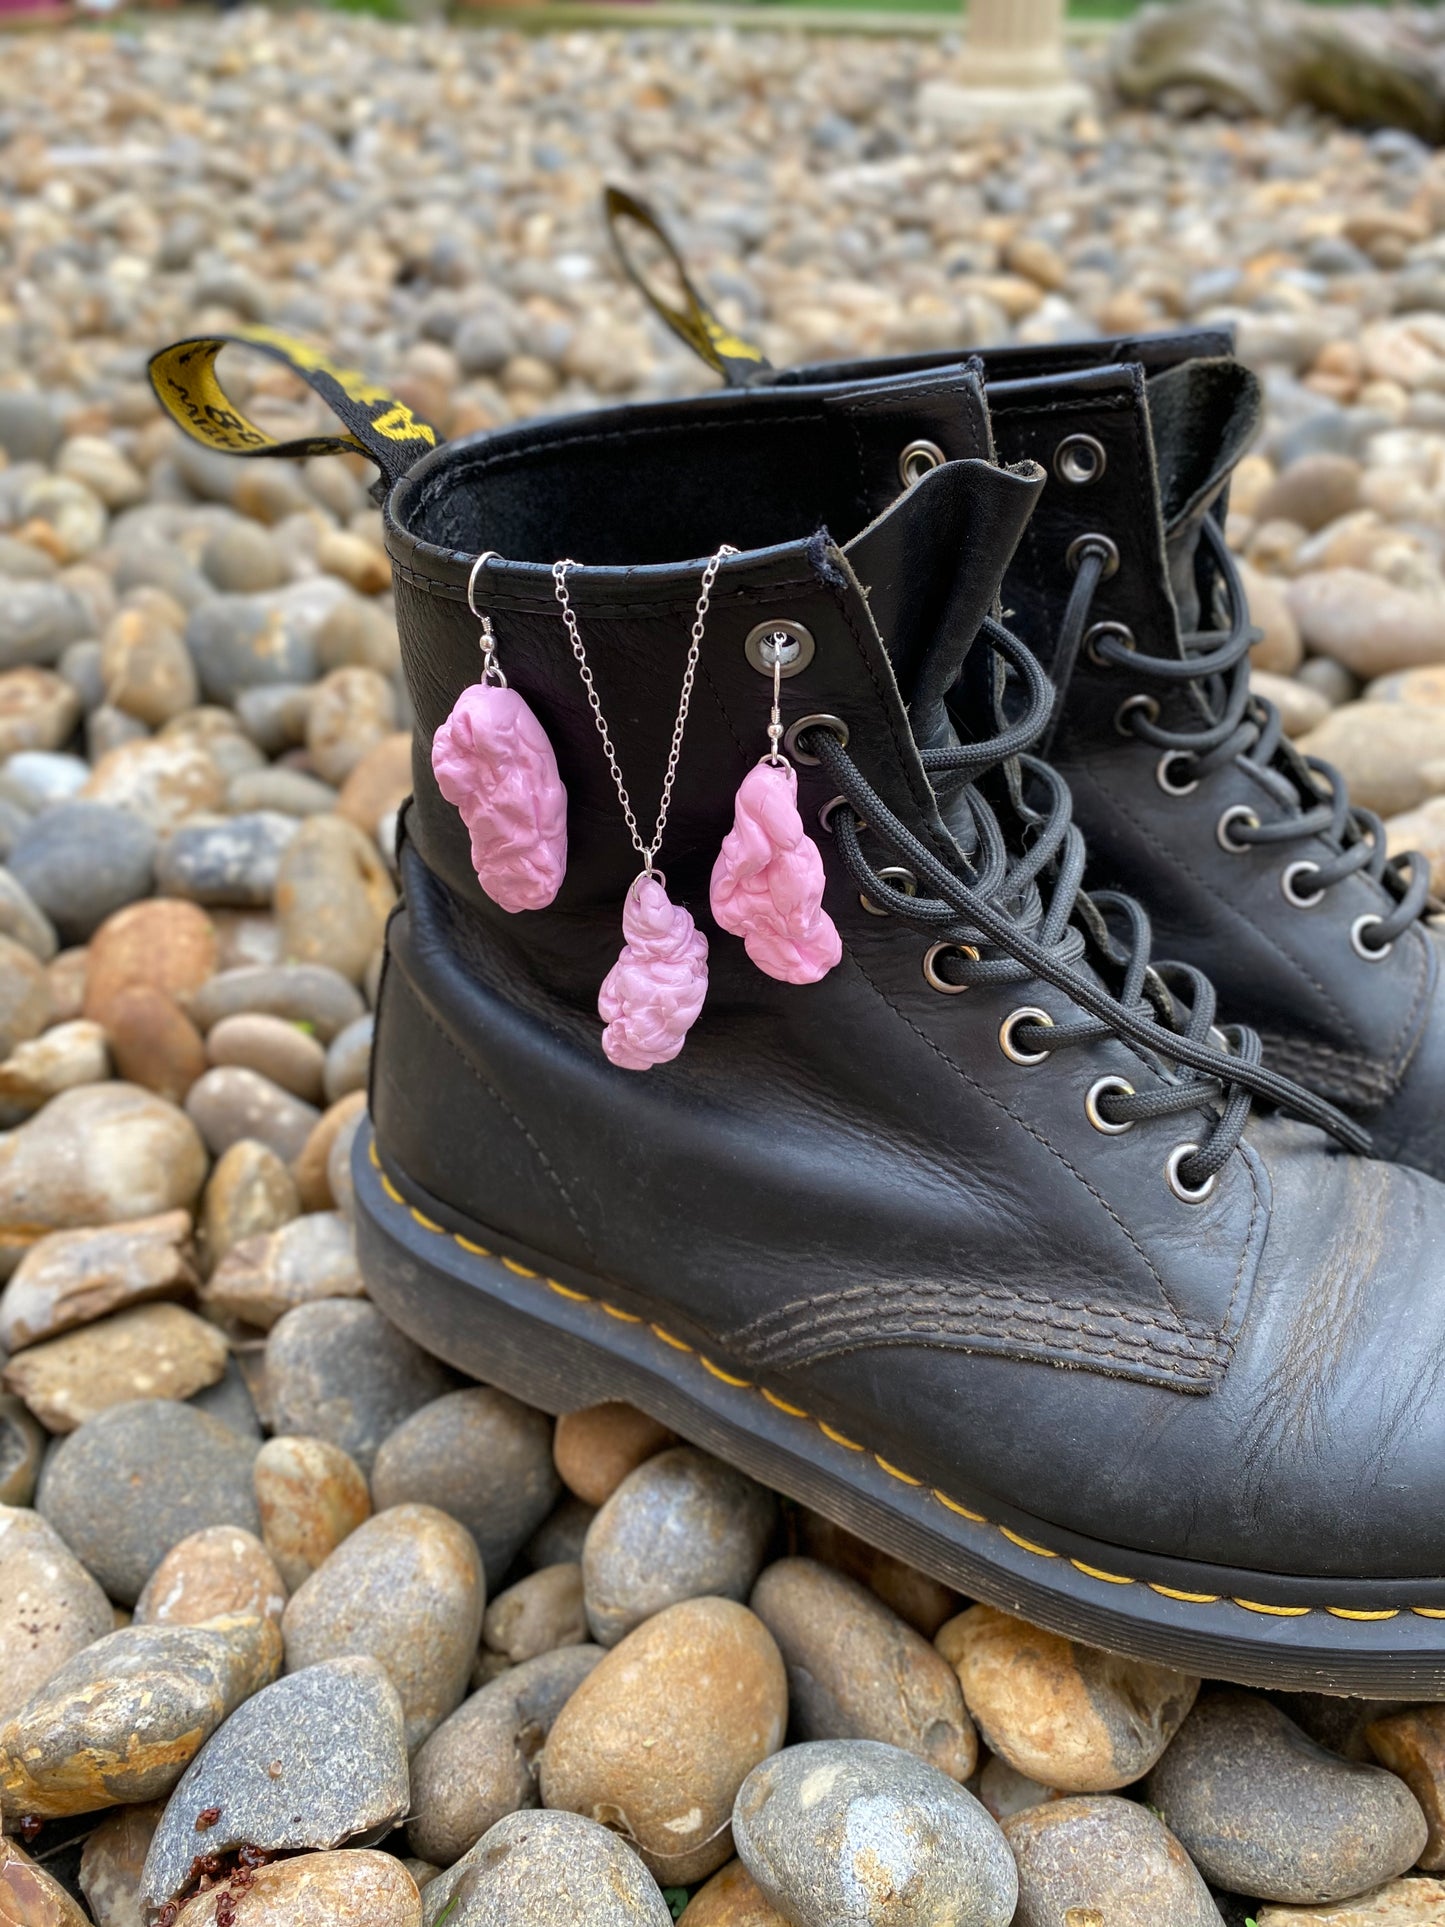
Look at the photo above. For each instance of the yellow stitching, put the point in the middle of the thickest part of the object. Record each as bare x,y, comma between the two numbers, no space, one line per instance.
1028,1544
893,1472
425,1223
962,1510
521,1270
565,1291
466,1244
390,1189
371,1153
1275,1612
838,1438
677,1344
1344,1612
616,1311
793,1411
1429,1612
1095,1572
726,1377
1191,1598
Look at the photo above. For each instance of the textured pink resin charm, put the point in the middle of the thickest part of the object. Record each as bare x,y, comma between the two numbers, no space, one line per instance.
767,883
651,997
491,757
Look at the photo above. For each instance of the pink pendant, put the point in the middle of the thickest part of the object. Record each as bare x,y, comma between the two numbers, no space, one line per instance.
767,883
492,759
651,997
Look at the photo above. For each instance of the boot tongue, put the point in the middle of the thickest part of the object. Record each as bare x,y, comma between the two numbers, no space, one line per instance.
1203,416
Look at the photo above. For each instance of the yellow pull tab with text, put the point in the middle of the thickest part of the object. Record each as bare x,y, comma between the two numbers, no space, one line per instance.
737,360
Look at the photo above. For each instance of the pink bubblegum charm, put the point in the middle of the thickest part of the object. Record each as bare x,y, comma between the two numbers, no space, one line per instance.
492,759
652,995
767,883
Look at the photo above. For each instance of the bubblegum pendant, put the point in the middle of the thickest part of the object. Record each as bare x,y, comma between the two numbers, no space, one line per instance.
767,883
653,994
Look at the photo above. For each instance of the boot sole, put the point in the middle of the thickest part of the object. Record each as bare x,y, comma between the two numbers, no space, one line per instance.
500,1314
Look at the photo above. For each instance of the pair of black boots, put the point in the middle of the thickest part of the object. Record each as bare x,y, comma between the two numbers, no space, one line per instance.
1013,1247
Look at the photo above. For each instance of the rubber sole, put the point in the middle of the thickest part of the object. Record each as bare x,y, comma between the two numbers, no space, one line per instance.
501,1317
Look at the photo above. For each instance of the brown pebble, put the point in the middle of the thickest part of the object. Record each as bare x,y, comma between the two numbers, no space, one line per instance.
74,1277
153,1042
311,1496
379,783
732,1899
249,1191
594,1449
308,1170
165,942
147,1351
1412,1744
925,1603
218,1570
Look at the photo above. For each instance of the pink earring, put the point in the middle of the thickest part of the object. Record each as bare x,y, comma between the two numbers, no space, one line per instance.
767,883
492,759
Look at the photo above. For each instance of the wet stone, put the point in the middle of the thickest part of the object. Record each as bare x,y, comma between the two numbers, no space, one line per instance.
480,1764
121,1721
311,1496
233,863
546,1870
1107,1855
128,1485
857,1671
262,1278
74,1277
110,1866
1264,1811
158,1351
837,1829
1064,1714
595,1448
216,1573
313,1890
230,1103
50,1607
22,1448
479,1455
537,1614
312,1761
407,1589
83,861
339,1370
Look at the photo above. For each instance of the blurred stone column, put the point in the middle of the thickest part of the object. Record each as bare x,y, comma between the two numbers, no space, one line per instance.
1013,71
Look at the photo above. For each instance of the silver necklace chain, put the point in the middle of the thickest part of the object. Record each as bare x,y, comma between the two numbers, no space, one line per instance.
647,851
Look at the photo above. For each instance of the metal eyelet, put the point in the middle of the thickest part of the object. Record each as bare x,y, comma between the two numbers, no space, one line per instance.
901,879
1187,1194
789,642
1080,546
1163,778
1220,1040
1030,1014
1098,632
1091,1105
930,966
1371,952
1297,897
1147,707
917,460
1236,813
1080,459
825,815
833,724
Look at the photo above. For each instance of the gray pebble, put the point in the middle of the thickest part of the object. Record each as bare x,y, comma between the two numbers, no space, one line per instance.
229,1401
42,779
31,429
562,1534
233,863
838,1830
23,562
481,1456
38,621
1264,1811
274,715
538,1614
230,1103
290,791
12,822
151,564
22,919
238,642
338,1370
348,1058
50,1607
339,1177
546,1870
241,558
81,668
83,861
124,1487
301,993
314,1760
108,728
1099,1857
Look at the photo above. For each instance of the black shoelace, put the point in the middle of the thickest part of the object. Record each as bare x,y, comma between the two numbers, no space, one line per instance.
1235,725
1015,910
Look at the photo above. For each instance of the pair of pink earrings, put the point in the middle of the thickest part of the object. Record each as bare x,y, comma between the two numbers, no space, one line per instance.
493,761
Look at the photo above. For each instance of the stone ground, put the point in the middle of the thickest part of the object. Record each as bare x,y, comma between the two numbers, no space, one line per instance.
209,1440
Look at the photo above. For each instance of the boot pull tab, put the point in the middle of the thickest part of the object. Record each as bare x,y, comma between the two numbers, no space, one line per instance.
691,319
378,425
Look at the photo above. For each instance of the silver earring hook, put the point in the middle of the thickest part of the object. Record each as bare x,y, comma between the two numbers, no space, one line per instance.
487,555
491,668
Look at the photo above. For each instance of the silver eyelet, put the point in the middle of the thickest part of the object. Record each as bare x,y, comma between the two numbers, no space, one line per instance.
1187,1194
1288,884
833,724
790,642
916,461
1099,632
1030,1014
1080,459
1081,544
825,815
930,966
1147,707
1220,1040
1371,952
1091,1105
1166,782
1236,813
901,879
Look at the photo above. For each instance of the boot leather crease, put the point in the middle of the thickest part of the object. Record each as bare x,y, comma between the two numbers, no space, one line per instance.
975,1245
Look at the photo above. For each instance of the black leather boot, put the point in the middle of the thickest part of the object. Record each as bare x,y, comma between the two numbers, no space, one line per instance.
972,1245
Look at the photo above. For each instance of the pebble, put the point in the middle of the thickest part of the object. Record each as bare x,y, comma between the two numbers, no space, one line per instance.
311,994
407,1589
38,710
161,782
157,1351
50,1607
274,716
38,620
1382,749
30,426
147,669
275,1049
1105,1854
339,1370
26,1005
1369,625
291,792
348,1059
333,896
1400,1903
310,1496
22,1450
126,1486
250,1192
74,1277
238,642
1301,708
23,919
351,713
537,1614
662,1733
212,1574
242,558
81,862
1065,1714
121,1720
596,1447
841,1829
312,1167
479,1455
361,633
313,1890
546,1870
232,863
153,1042
1412,1744
479,1765
57,1060
857,1671
1263,1810
28,1895
312,1761
1313,490
111,1863
229,1103
1006,1792
561,1536
229,1400
378,784
732,1898
262,1278
924,1602
164,945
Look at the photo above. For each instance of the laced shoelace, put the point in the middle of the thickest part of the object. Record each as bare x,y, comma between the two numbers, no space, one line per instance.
1017,911
1236,725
